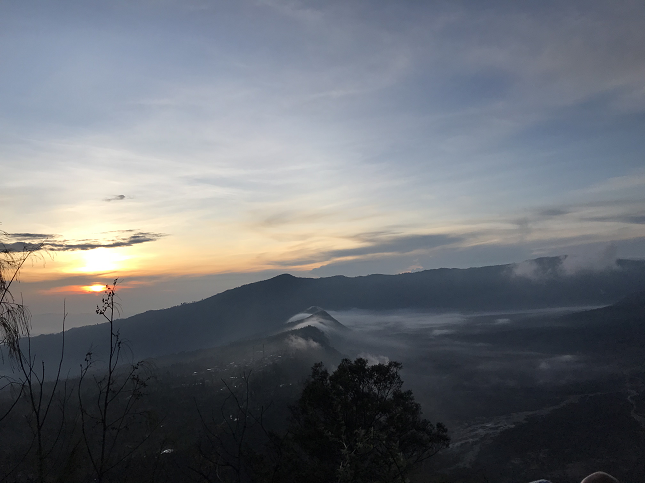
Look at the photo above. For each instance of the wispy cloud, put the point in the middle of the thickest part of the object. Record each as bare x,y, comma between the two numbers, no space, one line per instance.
127,238
115,198
377,245
291,217
29,236
553,212
635,218
370,245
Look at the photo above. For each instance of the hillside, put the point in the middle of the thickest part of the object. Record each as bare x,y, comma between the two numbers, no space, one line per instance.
264,307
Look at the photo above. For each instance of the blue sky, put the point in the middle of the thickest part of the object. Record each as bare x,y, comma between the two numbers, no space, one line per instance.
249,138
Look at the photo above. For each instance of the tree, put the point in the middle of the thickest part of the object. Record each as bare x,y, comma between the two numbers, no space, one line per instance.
223,453
40,398
14,316
114,395
15,337
358,425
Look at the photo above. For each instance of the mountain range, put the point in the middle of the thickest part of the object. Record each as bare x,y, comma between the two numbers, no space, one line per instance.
264,307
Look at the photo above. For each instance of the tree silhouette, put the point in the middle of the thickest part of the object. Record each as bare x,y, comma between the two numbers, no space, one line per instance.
115,395
358,425
28,375
14,315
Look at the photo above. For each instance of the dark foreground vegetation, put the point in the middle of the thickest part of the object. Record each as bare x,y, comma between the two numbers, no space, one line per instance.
224,424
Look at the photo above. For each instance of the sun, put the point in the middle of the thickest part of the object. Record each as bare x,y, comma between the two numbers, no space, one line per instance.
96,287
101,260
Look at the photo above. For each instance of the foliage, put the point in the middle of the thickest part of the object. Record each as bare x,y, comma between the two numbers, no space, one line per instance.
14,316
29,378
224,451
115,394
358,425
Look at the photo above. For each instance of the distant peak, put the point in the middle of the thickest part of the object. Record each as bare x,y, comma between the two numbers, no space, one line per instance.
283,276
315,317
312,310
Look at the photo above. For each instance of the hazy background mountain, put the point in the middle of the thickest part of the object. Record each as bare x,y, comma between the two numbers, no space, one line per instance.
263,307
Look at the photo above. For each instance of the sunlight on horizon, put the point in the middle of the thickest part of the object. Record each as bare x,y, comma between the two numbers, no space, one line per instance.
101,260
97,287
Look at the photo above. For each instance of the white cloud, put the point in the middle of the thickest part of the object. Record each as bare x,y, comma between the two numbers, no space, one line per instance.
591,260
298,343
372,360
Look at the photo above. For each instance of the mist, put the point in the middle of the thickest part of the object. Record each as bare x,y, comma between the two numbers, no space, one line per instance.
447,356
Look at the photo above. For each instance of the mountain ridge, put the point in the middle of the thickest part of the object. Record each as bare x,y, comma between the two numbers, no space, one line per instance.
264,306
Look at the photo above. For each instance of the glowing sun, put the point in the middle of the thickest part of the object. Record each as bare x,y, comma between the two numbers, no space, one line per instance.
102,260
97,287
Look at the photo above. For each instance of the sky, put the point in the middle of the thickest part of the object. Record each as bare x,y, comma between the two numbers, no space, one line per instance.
187,147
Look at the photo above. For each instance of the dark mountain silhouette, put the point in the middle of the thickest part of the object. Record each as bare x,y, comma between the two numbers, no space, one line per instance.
263,307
